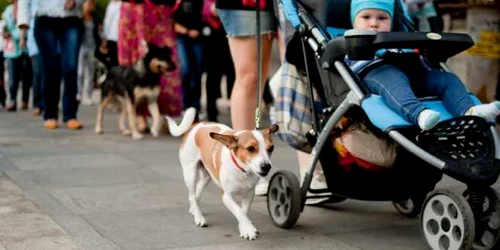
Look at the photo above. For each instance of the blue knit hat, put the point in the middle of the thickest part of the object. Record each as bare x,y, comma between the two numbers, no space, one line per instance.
359,5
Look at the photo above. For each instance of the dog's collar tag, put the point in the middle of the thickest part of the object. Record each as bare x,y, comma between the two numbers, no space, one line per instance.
236,163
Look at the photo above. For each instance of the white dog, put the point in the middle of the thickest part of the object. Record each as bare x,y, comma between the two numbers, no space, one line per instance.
234,160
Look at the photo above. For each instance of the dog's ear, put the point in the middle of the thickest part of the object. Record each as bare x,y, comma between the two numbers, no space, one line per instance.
227,140
270,130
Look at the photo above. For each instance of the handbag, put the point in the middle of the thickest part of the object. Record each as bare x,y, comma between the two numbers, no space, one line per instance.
292,107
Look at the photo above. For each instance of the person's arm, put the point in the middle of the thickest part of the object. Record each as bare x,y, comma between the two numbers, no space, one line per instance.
180,29
23,13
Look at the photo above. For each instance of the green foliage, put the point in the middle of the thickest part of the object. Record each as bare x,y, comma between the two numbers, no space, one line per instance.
100,8
99,11
3,4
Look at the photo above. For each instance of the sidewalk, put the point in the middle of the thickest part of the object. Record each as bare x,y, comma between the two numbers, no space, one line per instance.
76,190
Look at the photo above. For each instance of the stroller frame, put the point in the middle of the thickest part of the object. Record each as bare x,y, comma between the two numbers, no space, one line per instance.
477,192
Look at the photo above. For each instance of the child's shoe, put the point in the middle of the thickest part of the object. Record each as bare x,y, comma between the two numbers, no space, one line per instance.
427,119
488,111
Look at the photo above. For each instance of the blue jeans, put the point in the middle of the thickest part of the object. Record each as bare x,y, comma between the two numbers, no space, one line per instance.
59,40
38,78
20,70
190,56
394,86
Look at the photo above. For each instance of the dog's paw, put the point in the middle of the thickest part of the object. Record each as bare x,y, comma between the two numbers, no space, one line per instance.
98,130
125,132
137,136
248,231
199,220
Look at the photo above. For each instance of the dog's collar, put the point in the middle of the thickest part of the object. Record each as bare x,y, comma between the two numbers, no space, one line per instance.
236,163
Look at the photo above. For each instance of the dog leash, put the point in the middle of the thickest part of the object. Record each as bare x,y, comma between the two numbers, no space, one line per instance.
259,67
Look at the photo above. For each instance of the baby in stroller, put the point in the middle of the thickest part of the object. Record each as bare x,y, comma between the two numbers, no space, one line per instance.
385,95
393,82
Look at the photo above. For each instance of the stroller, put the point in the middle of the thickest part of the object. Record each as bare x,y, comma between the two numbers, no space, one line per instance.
465,148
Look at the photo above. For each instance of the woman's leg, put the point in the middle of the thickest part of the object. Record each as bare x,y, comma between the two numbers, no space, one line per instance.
14,79
214,72
182,51
47,43
27,77
244,54
197,71
37,84
70,48
80,72
3,95
89,76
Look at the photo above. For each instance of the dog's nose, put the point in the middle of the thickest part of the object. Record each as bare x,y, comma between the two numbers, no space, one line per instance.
265,167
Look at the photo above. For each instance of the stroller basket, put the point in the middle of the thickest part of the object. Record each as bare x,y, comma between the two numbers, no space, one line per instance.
466,145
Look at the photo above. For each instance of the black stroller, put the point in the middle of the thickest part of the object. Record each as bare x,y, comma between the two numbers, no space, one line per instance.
465,148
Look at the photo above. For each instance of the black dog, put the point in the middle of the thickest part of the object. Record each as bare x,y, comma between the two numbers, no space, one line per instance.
133,85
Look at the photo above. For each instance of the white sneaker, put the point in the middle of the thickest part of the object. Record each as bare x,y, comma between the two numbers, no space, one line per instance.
87,102
318,182
261,188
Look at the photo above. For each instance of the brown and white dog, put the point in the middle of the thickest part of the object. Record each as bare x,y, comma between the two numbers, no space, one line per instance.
234,160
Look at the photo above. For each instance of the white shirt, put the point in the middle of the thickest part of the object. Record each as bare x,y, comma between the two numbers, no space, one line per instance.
50,8
111,20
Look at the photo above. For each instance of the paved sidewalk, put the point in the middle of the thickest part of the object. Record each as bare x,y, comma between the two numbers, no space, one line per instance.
76,190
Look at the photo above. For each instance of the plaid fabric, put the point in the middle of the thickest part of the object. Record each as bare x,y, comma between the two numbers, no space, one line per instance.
293,108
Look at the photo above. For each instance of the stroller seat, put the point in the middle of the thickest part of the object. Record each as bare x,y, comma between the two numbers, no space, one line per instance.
384,118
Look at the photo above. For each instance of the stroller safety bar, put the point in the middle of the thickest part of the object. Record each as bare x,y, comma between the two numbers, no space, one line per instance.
411,147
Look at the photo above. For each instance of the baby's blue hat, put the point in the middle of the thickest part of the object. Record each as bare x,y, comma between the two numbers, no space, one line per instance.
359,5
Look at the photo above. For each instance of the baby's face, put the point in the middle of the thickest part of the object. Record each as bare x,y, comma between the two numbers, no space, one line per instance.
371,19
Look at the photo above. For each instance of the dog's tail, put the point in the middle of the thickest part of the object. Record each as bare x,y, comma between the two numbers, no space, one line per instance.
187,121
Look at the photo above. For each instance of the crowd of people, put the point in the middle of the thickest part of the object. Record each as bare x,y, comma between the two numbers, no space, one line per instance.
49,43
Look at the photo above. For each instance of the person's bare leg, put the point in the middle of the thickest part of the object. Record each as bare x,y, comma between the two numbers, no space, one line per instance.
244,95
281,44
318,179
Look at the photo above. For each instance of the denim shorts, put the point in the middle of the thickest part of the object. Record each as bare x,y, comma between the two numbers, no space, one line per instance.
244,22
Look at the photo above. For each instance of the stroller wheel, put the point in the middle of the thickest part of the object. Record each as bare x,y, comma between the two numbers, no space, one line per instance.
284,200
487,221
447,221
410,207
